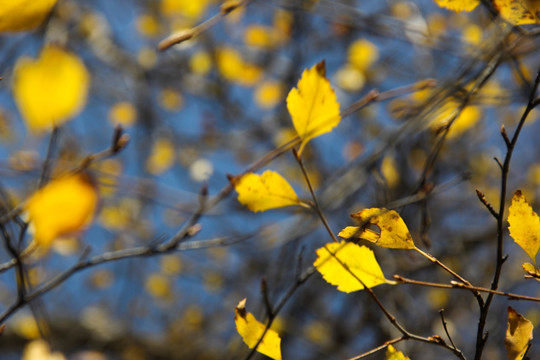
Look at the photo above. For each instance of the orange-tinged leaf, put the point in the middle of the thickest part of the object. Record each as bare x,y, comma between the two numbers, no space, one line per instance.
349,266
51,89
267,191
518,12
393,354
518,335
22,15
313,105
458,5
524,225
393,230
531,270
252,330
62,207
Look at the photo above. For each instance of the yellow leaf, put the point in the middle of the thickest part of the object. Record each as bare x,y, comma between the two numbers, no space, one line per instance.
362,54
393,354
393,234
251,331
389,170
349,266
50,90
524,225
162,156
21,15
518,12
518,335
123,113
458,5
62,207
531,270
313,105
267,191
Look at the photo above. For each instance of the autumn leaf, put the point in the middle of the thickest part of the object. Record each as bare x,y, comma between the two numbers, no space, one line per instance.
393,354
531,270
393,231
518,335
51,89
267,191
458,5
62,207
252,330
313,105
22,15
349,266
518,12
524,225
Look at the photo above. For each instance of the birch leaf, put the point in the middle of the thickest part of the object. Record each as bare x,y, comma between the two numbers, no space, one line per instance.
313,105
393,354
22,15
518,12
252,330
62,207
50,90
349,266
393,230
518,335
458,5
267,191
524,225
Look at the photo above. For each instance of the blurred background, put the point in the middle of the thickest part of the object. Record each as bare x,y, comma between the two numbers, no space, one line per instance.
213,105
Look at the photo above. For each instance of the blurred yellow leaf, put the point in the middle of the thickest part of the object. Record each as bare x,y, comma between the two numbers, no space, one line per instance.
458,5
518,12
524,225
62,207
349,266
267,191
123,113
200,63
313,105
252,330
393,354
162,156
21,15
518,335
390,171
268,94
465,120
362,54
40,350
184,8
158,285
50,90
393,232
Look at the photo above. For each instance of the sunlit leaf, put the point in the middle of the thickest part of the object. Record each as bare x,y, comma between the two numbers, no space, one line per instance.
267,191
518,12
51,89
252,330
524,225
458,5
349,266
21,15
393,232
393,354
518,335
62,207
313,105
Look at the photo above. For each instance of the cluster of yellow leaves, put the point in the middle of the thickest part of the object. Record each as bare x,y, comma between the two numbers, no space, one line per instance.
51,89
22,15
525,228
314,111
234,68
62,207
518,335
516,12
252,331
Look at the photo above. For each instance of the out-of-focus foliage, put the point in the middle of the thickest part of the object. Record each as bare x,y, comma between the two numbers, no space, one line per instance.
21,15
